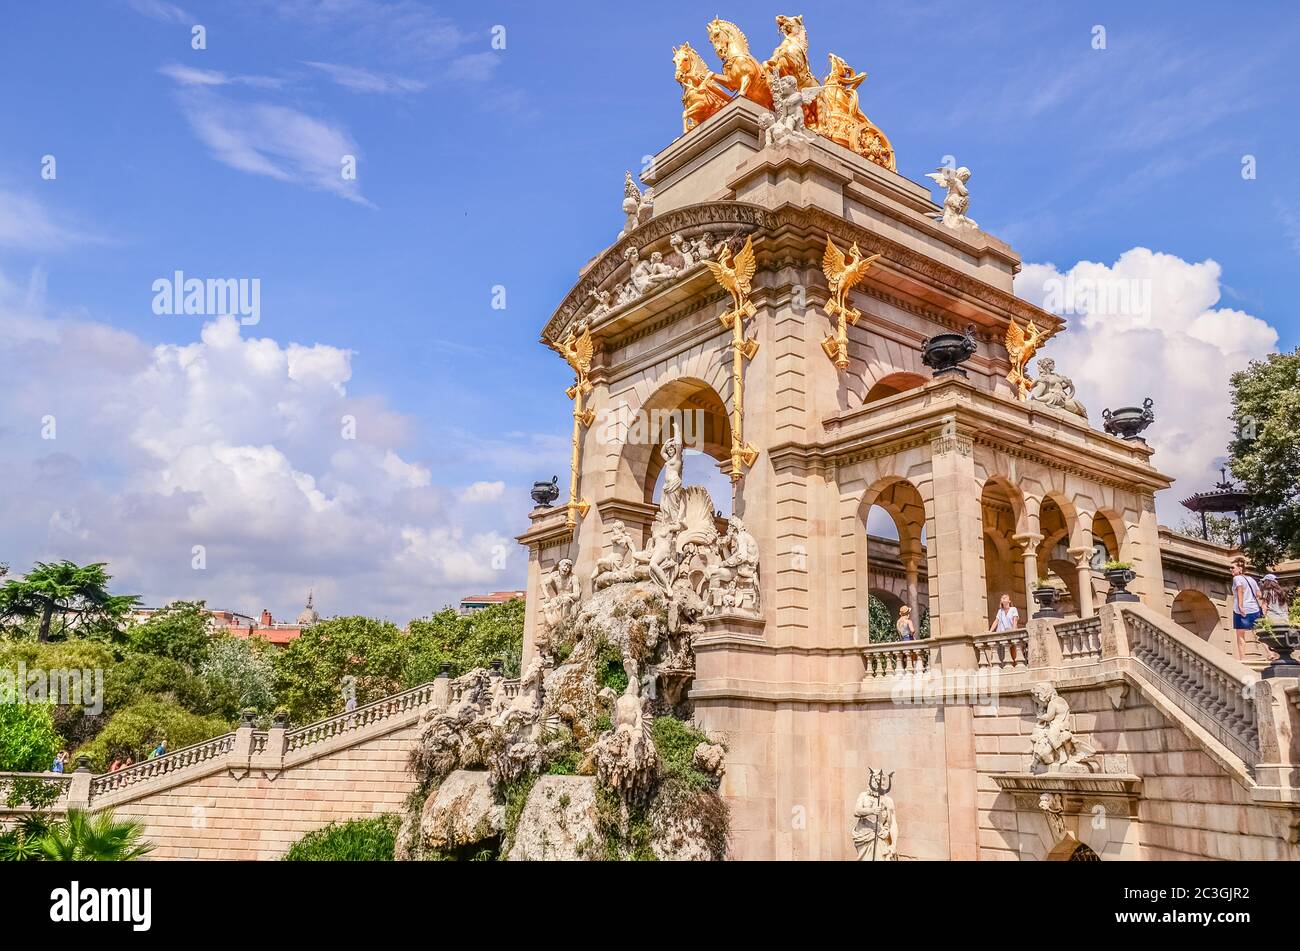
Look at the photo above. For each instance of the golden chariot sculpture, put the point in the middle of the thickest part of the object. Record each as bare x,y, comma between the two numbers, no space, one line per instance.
833,111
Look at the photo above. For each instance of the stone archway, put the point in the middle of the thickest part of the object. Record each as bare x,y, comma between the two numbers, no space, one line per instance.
1193,610
901,501
892,385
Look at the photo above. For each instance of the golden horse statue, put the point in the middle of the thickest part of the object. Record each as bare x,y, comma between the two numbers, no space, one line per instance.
790,58
741,73
701,94
842,120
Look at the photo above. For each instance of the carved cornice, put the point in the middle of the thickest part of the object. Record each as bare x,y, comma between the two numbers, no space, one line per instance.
742,217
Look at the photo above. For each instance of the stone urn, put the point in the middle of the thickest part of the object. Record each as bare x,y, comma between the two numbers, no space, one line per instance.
1127,422
1119,579
544,493
1045,596
1281,639
944,353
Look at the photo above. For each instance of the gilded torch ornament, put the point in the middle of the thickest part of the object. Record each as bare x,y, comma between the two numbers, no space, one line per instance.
578,349
842,273
735,278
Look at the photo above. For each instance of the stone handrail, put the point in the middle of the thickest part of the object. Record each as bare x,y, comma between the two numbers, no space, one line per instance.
362,716
1206,684
1006,650
896,657
62,780
169,762
1080,640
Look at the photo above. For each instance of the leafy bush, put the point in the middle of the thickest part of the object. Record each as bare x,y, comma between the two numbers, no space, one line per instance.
140,676
675,742
83,837
135,730
309,672
357,840
466,641
28,742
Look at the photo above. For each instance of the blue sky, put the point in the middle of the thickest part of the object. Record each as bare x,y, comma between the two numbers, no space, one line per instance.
479,167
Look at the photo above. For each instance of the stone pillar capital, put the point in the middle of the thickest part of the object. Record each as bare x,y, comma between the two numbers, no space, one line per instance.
1081,555
1028,540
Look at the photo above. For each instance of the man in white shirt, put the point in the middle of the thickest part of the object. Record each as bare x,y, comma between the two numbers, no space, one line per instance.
1245,604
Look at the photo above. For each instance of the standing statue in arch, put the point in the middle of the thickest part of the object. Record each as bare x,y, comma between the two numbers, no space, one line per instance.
674,494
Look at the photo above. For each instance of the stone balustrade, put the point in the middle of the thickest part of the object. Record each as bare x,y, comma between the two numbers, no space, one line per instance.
1200,681
362,716
1007,650
63,781
152,768
896,658
1080,641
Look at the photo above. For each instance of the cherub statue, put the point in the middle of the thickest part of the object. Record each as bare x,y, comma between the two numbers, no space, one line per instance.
685,249
1055,748
958,198
1055,389
602,306
660,270
637,205
788,122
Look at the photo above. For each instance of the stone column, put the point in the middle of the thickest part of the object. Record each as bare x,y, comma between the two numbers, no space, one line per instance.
911,568
1082,555
1030,541
956,539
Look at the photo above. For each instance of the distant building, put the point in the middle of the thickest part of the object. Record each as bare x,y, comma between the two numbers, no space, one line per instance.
236,624
477,602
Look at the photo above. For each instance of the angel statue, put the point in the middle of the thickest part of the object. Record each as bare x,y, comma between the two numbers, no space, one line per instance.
958,199
735,278
842,273
790,59
637,205
1021,346
788,122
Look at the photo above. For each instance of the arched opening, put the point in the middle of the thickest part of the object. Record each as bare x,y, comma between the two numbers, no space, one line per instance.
1056,519
700,417
1071,849
892,385
1193,610
891,560
1004,563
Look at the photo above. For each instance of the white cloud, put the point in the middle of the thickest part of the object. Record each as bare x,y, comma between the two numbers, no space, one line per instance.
160,10
474,67
234,443
1147,326
275,141
363,80
483,492
193,76
26,223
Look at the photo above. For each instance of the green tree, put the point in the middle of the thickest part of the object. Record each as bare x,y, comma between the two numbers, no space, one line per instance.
1265,454
881,623
1222,529
180,631
466,641
238,675
77,595
135,730
357,840
28,741
83,837
142,676
309,672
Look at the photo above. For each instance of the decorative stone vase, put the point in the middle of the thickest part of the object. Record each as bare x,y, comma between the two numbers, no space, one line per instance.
1119,579
544,493
1046,597
1281,639
944,353
280,720
1127,422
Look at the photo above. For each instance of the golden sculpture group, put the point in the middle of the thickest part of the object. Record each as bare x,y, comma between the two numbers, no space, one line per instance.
834,113
1022,344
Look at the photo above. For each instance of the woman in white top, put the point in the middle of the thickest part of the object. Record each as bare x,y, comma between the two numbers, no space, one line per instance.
1246,611
1007,618
906,629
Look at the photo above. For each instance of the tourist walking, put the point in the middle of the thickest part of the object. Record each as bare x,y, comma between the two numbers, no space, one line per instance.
906,629
1273,601
59,762
160,749
1246,610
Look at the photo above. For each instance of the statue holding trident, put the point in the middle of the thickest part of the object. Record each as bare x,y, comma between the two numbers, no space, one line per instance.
875,833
